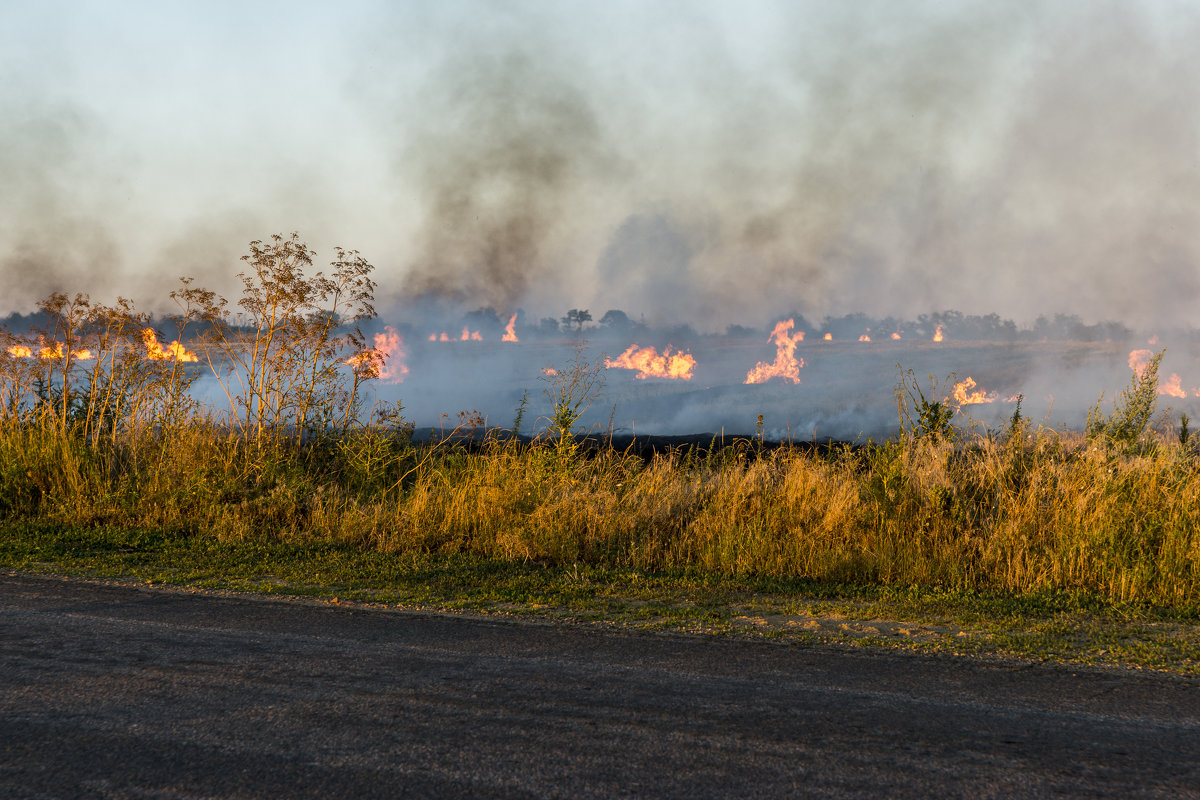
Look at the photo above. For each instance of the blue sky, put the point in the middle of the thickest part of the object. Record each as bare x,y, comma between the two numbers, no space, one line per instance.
708,162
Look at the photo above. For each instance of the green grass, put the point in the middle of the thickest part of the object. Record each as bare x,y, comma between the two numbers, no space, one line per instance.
1056,627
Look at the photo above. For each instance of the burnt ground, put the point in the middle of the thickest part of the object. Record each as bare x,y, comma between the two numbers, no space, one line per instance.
110,691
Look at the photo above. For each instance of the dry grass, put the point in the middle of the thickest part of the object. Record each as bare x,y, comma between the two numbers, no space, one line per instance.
1031,513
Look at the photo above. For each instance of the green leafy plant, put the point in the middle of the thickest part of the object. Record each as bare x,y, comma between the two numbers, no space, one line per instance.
1132,411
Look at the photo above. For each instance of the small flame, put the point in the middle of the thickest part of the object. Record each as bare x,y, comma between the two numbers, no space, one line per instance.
937,335
82,354
173,351
1153,339
1139,359
965,397
786,365
510,331
866,337
385,360
549,371
55,352
20,351
896,336
433,337
649,364
1172,386
470,335
829,337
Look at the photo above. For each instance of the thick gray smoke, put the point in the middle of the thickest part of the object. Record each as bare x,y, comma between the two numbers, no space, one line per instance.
698,162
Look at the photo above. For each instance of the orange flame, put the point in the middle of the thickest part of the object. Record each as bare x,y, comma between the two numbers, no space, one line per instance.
83,354
510,331
965,397
937,335
829,337
470,336
896,336
156,352
56,352
1172,386
786,365
649,364
866,337
549,371
20,351
385,360
433,337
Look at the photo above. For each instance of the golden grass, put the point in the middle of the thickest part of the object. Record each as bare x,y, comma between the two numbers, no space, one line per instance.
1032,512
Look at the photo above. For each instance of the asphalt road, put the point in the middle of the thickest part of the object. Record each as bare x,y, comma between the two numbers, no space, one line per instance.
120,692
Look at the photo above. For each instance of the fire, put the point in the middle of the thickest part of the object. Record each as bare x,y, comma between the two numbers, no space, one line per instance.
385,360
20,351
55,352
1138,359
433,337
549,371
82,354
963,395
649,364
1172,386
786,365
470,335
510,331
896,336
156,352
866,337
829,337
937,335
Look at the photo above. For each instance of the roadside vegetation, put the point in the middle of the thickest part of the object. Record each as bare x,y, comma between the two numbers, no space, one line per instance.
113,449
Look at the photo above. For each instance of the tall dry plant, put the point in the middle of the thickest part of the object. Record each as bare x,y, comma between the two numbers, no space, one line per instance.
280,368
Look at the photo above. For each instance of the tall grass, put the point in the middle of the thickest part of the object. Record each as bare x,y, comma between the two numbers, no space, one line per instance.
1112,512
1043,511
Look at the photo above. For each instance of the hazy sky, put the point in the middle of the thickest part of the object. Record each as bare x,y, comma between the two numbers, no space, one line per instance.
711,162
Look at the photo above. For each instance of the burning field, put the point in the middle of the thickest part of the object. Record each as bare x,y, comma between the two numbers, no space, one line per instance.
298,420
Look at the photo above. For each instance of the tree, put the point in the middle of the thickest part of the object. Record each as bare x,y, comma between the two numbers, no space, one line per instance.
616,320
577,317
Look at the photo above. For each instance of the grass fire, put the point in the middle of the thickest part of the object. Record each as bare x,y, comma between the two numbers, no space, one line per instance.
286,421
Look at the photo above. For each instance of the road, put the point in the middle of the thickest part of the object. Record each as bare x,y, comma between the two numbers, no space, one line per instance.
121,692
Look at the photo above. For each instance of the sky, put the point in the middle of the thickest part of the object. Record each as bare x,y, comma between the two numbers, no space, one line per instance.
707,162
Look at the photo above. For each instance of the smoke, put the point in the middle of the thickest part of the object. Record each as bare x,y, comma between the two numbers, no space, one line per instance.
690,162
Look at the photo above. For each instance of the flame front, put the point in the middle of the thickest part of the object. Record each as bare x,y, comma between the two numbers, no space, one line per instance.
174,351
51,352
510,330
937,335
866,337
20,351
649,364
785,365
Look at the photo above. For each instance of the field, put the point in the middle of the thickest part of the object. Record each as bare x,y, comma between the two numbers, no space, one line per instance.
109,469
